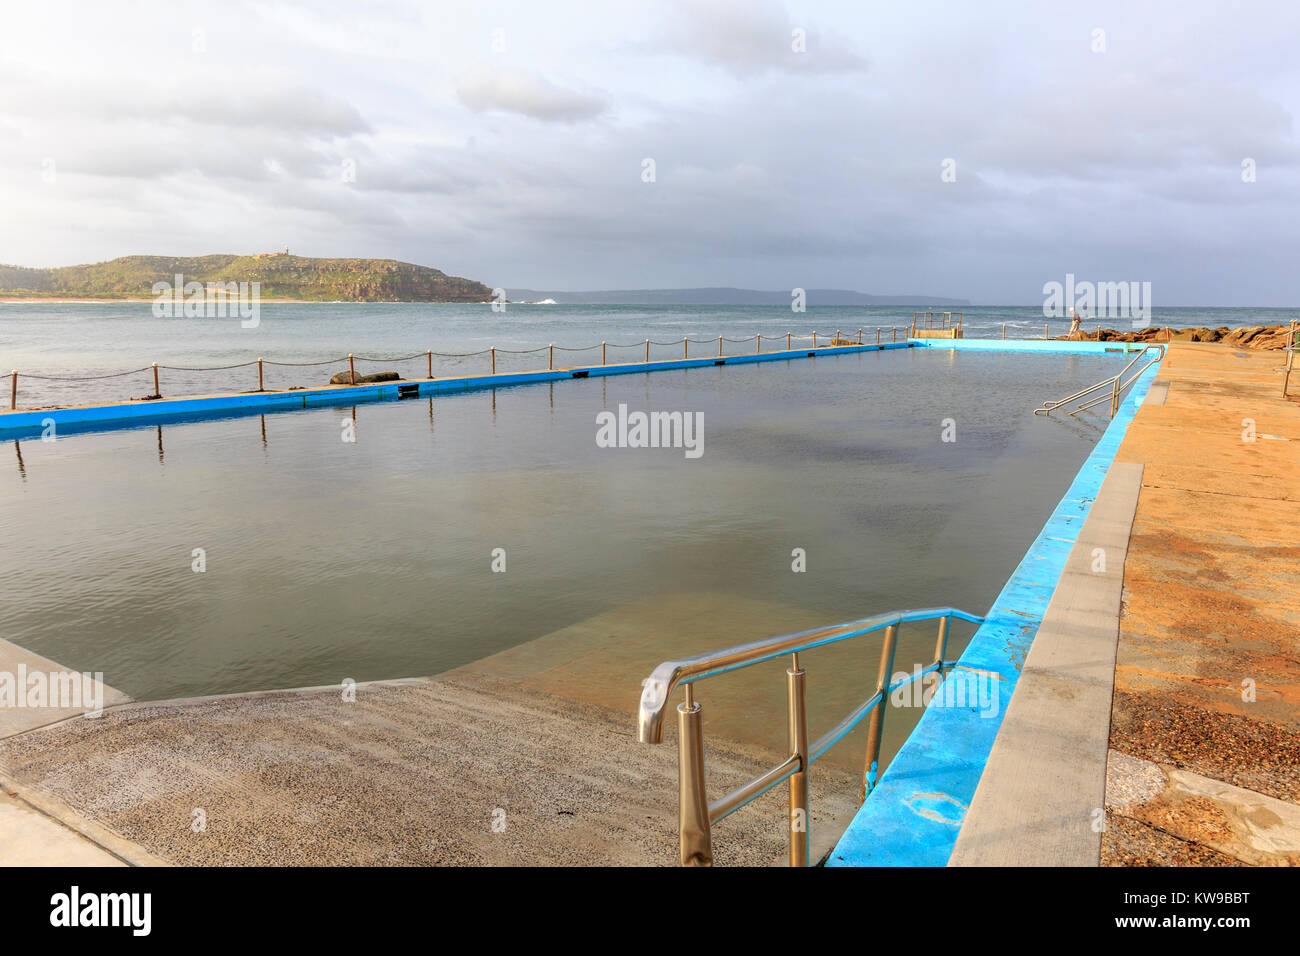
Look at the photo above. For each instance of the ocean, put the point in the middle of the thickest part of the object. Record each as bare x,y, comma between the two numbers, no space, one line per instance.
84,339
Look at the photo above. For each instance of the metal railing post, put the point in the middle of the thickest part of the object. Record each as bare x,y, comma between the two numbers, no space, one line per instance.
758,344
352,371
602,353
1286,373
877,336
647,350
787,341
941,644
814,338
797,711
692,803
719,344
894,334
685,348
259,376
13,389
429,354
494,359
875,731
156,390
550,358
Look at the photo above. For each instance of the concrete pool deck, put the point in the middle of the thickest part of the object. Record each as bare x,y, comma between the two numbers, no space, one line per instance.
1205,722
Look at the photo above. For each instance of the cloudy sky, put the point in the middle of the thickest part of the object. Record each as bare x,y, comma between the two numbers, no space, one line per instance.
508,142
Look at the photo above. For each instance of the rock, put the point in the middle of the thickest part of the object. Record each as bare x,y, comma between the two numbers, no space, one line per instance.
1261,337
350,378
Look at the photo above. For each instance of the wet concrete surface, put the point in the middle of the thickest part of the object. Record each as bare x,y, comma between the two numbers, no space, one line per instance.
1207,678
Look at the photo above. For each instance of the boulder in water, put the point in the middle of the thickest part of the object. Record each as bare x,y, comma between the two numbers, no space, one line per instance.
352,378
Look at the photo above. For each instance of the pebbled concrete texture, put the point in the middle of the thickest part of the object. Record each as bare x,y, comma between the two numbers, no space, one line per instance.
1207,678
1236,824
412,772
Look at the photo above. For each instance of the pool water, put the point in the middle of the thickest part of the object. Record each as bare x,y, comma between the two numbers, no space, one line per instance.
326,559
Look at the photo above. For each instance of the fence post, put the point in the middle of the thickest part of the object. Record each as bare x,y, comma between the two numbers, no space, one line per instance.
893,334
719,344
156,390
1004,330
877,335
602,353
1045,330
494,360
429,353
259,376
787,341
550,361
647,350
685,354
13,390
352,370
837,337
758,343
859,336
814,338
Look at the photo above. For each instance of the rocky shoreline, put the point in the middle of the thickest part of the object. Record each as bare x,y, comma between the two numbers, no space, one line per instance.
1255,337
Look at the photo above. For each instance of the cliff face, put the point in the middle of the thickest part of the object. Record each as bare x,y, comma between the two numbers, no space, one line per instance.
281,276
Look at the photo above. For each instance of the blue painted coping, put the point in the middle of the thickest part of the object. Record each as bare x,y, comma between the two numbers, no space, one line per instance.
1035,345
916,810
21,424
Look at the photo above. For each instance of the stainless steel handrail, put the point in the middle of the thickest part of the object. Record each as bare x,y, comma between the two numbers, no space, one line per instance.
696,814
1113,383
1119,390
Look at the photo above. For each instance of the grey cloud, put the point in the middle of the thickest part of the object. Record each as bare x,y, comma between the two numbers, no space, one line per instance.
531,95
751,37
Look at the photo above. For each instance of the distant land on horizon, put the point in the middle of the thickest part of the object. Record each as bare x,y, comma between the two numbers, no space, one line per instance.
280,276
288,277
723,295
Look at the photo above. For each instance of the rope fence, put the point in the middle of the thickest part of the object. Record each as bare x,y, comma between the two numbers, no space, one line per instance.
189,379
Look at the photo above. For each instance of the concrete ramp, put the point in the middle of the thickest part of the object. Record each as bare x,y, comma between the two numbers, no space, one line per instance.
419,772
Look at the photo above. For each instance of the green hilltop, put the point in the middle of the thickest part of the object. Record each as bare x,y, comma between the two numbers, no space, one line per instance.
282,276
